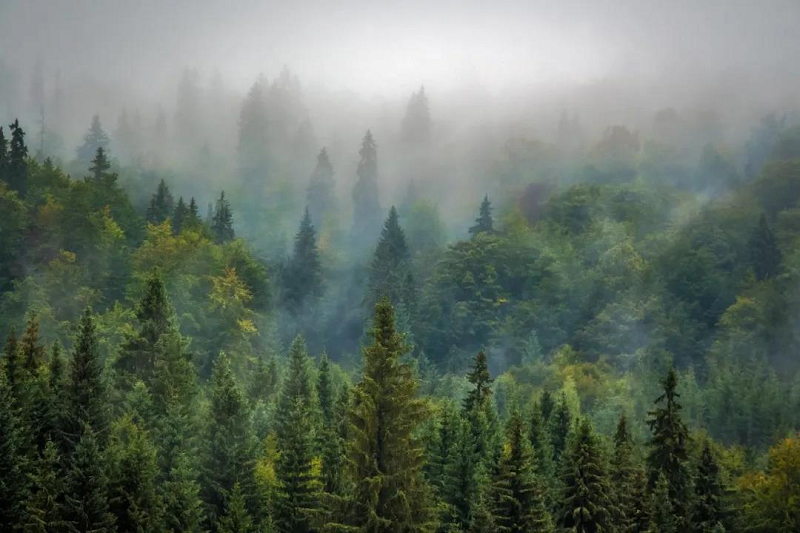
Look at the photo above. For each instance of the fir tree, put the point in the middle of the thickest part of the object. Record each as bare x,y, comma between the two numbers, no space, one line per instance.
236,518
56,398
13,461
519,504
99,169
481,380
586,504
265,380
161,204
222,223
32,352
320,196
463,478
183,509
389,493
302,278
45,508
668,447
390,271
95,138
484,222
708,508
193,217
12,367
560,426
297,495
542,452
86,502
546,405
180,216
663,518
764,252
366,203
623,478
16,170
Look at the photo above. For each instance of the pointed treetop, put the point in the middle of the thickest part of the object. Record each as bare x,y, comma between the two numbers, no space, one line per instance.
484,223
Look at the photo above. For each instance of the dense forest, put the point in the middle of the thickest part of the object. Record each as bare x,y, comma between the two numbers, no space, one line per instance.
279,308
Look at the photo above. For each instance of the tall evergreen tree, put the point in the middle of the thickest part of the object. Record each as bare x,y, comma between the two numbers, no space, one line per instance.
389,493
3,156
586,503
542,452
99,171
668,448
86,503
417,122
484,223
95,138
519,503
330,442
464,478
663,518
481,380
320,196
31,351
366,202
179,216
297,495
222,223
546,405
183,508
302,278
45,508
623,478
13,461
16,171
390,271
765,255
236,519
708,511
12,366
161,204
560,426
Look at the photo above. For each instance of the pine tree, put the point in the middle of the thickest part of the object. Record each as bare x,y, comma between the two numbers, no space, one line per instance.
87,403
320,196
390,271
302,278
366,203
668,447
560,426
663,518
519,503
586,504
229,451
297,495
183,508
13,461
180,216
389,493
236,518
623,478
161,204
86,503
222,223
45,508
95,138
484,223
17,164
708,511
764,252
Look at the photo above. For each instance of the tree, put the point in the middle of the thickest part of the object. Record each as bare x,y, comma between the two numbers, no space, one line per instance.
366,203
13,461
484,222
417,122
463,479
479,412
95,138
586,505
623,478
12,367
16,164
542,452
236,518
45,508
481,380
3,156
329,439
31,351
100,167
560,426
298,487
663,518
668,447
320,195
708,512
180,216
390,272
222,223
302,277
519,503
764,253
161,204
389,493
87,508
183,508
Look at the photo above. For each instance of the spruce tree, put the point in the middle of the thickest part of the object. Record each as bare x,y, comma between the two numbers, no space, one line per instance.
463,479
560,426
623,478
668,448
86,502
183,508
542,452
297,498
12,367
99,170
663,518
3,156
45,508
193,217
32,352
302,277
13,461
17,164
320,196
764,252
481,380
95,138
443,446
546,405
708,511
329,441
366,203
519,503
179,216
390,270
161,204
222,222
389,492
484,223
236,519
586,503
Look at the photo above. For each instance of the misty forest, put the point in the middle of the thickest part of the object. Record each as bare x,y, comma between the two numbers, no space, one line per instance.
400,268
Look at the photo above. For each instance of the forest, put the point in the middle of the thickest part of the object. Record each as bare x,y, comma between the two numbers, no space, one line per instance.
265,311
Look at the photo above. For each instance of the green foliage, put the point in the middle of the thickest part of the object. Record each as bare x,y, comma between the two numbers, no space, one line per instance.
87,505
390,273
707,513
302,276
484,223
222,223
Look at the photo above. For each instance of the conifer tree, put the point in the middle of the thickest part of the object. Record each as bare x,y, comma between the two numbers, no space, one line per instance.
32,352
95,138
442,447
12,366
484,223
546,405
639,512
183,509
222,223
668,447
464,478
54,417
17,163
542,452
161,204
45,508
180,216
320,196
236,519
560,426
417,122
519,503
86,502
3,156
663,518
193,217
302,278
228,453
265,380
480,414
481,380
87,402
708,512
390,270
764,252
13,461
366,203
623,478
99,169
586,504
297,496
389,493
